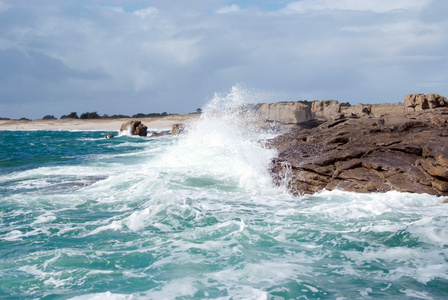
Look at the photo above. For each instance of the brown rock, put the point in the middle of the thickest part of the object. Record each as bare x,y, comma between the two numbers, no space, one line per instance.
326,109
135,128
439,172
358,111
441,186
419,102
405,152
285,112
436,100
158,134
442,160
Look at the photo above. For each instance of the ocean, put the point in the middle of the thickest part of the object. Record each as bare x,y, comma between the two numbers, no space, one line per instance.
197,216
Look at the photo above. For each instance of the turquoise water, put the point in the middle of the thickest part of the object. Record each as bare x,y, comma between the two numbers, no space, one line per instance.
197,217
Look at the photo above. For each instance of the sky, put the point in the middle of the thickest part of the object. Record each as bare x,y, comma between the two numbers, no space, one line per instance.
146,56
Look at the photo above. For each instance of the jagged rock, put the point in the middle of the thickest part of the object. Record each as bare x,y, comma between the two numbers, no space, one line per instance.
109,136
405,152
135,128
419,102
358,111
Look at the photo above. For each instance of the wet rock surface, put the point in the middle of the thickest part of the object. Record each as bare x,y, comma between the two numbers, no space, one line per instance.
406,152
135,128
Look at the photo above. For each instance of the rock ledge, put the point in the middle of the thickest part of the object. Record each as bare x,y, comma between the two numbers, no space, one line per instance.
406,152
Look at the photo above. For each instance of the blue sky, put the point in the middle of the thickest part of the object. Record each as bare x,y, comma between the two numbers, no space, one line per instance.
132,56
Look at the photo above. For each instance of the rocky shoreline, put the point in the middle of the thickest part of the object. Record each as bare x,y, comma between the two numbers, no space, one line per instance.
403,148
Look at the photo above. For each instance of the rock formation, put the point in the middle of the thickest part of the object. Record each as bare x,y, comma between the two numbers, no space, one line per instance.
135,128
326,109
298,112
418,102
407,152
285,112
358,111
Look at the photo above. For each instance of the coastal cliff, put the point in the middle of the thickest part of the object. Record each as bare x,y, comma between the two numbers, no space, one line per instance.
405,148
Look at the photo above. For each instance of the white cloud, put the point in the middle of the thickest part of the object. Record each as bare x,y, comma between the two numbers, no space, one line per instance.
146,12
398,40
379,6
181,51
229,9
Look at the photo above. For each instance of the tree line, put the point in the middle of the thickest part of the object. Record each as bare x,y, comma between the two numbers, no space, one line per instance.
95,115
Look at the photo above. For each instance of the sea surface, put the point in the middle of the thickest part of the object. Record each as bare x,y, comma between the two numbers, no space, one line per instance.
197,216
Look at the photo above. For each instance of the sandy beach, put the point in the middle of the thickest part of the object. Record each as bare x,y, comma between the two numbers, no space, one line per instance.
156,123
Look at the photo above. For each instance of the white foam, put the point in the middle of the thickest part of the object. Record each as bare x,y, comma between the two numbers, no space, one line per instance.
17,235
33,270
184,287
415,294
115,225
45,218
137,219
357,206
104,296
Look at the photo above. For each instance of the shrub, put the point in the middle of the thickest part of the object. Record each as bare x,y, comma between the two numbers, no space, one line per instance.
118,116
72,115
49,117
90,115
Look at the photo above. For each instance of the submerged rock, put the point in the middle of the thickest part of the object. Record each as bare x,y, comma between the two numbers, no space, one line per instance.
175,129
159,133
406,152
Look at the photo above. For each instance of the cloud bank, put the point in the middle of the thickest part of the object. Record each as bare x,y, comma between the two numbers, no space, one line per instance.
126,57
